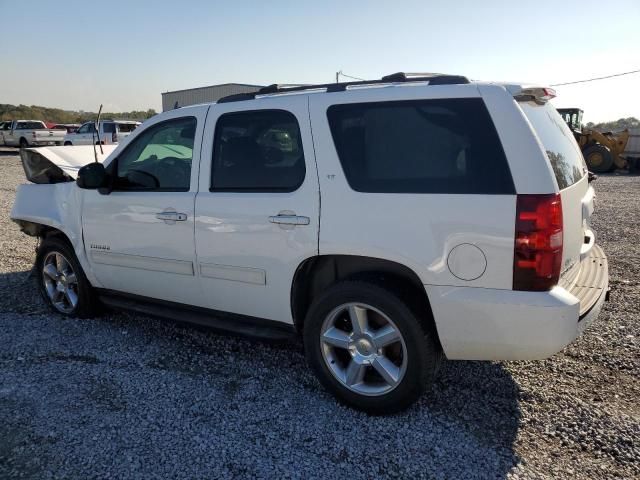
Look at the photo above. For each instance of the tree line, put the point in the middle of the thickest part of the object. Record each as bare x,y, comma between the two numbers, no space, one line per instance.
616,125
57,115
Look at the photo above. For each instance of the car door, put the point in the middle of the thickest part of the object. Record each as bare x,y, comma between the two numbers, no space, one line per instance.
257,208
82,136
139,237
4,130
9,135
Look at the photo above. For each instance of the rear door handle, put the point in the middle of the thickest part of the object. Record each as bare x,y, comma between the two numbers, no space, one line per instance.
171,216
289,219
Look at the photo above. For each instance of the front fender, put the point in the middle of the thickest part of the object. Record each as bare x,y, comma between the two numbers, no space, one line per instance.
58,206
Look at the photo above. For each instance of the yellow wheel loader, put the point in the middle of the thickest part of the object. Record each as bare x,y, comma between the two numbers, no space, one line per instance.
602,151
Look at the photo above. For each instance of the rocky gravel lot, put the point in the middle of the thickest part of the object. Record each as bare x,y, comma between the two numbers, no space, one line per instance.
127,396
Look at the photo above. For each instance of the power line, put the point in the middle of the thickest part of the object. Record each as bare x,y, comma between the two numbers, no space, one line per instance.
340,74
597,78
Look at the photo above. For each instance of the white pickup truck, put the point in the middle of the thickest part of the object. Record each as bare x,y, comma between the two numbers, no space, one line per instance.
30,133
387,222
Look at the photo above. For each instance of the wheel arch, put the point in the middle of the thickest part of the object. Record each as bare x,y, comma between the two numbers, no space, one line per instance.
44,231
316,273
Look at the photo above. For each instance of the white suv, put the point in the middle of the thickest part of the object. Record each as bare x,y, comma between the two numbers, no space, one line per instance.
110,132
386,222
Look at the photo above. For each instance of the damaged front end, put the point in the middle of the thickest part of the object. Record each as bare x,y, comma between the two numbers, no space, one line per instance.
51,200
58,164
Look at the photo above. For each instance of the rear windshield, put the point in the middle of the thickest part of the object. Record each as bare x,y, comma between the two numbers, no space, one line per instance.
420,146
29,126
126,127
558,141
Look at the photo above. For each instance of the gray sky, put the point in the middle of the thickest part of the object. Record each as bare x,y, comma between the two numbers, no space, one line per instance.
76,55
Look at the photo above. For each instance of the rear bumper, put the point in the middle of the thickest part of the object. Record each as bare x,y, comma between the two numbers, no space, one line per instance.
493,324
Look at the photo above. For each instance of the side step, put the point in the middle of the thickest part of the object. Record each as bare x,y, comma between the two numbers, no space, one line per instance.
240,325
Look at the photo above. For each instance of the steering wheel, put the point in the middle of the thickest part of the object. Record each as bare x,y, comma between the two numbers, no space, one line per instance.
133,173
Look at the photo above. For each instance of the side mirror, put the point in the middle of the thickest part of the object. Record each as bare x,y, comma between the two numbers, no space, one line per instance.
92,176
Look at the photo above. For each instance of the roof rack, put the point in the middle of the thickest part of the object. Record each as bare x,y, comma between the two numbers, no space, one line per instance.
399,77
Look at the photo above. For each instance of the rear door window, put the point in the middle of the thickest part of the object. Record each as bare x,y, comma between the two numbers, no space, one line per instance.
109,127
126,127
420,146
257,151
557,139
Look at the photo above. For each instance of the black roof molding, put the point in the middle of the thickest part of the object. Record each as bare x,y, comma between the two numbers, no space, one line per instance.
399,77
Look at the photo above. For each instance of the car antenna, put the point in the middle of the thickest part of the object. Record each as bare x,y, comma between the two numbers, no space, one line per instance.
93,132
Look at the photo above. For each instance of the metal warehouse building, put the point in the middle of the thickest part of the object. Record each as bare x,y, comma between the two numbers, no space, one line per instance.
193,96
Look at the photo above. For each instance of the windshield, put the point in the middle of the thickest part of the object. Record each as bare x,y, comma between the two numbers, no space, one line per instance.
558,141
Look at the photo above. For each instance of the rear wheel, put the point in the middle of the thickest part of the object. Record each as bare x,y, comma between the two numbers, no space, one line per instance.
67,143
61,280
24,143
368,348
598,158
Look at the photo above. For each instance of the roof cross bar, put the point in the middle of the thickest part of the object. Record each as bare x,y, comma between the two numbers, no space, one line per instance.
400,77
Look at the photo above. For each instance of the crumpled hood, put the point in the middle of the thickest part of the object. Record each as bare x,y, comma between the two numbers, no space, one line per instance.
59,164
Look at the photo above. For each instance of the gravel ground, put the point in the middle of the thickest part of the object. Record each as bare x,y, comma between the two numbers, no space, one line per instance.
127,396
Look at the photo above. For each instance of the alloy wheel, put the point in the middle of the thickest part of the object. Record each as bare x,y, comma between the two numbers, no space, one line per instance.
60,282
363,349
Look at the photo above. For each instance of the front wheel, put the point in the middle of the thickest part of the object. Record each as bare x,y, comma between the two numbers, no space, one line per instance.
62,281
368,348
67,144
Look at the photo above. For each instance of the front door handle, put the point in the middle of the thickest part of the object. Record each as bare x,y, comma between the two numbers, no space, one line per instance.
171,216
289,219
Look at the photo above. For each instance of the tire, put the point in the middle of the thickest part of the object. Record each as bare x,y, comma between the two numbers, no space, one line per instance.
24,143
598,158
56,284
337,352
68,144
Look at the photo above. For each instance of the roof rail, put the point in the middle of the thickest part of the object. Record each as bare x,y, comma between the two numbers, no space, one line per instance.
399,77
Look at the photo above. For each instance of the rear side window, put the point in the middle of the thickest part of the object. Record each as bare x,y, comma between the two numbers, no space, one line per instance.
420,146
257,151
126,127
557,139
109,127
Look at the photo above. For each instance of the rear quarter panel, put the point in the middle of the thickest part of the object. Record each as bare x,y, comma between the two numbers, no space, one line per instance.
416,230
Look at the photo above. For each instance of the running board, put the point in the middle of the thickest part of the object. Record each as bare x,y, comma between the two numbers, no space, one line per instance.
225,322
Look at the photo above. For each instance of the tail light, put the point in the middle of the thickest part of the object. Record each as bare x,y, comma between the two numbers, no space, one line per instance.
33,134
537,256
114,137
